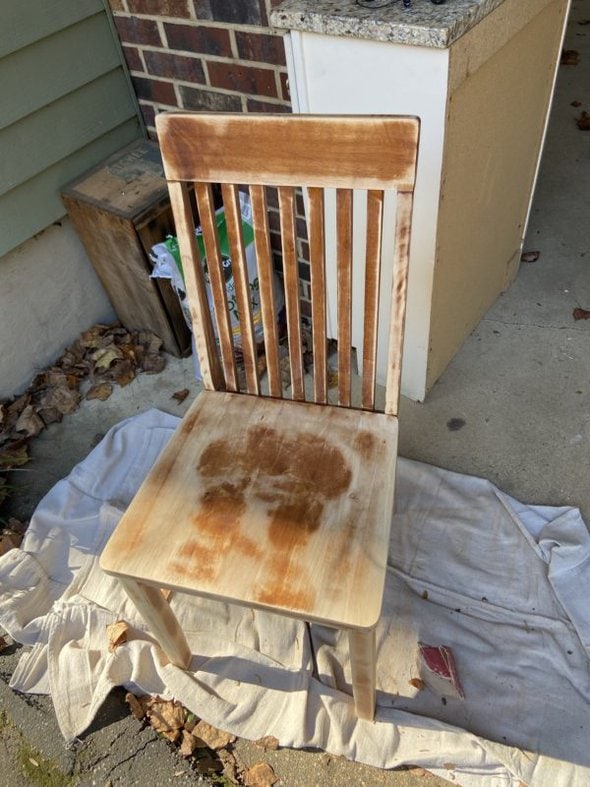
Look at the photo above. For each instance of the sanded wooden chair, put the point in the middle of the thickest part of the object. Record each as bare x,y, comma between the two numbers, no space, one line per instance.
274,502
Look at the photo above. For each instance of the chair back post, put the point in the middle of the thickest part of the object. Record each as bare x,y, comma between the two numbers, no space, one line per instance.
398,300
203,333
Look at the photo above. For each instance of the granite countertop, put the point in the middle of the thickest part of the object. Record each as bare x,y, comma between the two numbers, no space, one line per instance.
424,24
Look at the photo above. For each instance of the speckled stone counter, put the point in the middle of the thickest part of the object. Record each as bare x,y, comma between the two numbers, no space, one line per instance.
424,24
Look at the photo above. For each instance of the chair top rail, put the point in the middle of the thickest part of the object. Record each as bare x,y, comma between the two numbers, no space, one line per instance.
362,152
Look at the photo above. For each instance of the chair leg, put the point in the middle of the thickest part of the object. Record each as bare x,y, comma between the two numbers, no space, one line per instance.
161,621
363,656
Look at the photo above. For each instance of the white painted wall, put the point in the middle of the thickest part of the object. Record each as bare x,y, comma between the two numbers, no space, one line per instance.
49,293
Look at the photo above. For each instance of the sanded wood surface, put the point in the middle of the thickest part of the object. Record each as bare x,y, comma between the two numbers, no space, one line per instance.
266,281
239,268
153,606
344,262
291,274
364,152
372,282
399,298
363,665
195,287
206,208
317,258
270,503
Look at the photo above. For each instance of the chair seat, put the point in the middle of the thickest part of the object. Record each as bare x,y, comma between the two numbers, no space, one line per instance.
271,503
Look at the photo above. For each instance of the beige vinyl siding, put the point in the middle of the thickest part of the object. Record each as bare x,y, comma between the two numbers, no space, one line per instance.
65,105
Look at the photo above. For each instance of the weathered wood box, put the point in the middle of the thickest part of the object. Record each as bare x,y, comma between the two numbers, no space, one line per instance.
120,209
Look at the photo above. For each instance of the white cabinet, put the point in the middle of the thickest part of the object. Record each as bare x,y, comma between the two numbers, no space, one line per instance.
483,101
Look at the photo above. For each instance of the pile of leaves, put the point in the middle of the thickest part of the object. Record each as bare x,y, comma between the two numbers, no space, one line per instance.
209,750
101,357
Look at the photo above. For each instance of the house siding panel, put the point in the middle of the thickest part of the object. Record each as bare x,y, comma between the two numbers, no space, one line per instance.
67,104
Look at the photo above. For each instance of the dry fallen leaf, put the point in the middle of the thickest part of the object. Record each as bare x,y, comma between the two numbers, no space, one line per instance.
208,765
122,372
50,415
63,399
100,391
167,717
29,422
153,363
180,396
417,683
14,456
417,771
3,644
260,775
8,541
188,744
576,104
569,57
584,122
232,769
581,314
214,738
117,634
135,706
530,256
105,356
268,743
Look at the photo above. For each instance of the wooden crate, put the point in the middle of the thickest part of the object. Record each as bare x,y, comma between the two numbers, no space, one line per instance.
120,209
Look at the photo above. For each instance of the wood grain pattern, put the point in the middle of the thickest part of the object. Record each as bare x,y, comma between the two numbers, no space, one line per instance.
318,293
161,621
363,662
266,281
372,280
327,151
280,501
398,301
206,208
344,297
195,288
291,274
233,217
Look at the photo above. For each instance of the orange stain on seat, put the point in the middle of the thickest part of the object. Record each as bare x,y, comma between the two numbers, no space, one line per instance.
290,479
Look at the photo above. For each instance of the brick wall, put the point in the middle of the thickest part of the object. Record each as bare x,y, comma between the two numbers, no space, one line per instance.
214,55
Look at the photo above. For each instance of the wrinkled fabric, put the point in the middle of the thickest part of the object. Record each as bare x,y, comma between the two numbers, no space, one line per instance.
502,584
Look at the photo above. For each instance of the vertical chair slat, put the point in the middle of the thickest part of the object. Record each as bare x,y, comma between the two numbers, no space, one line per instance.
372,277
398,300
344,297
195,285
265,278
233,217
291,273
318,293
206,208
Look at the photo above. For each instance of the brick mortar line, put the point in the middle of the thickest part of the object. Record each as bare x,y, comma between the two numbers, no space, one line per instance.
264,64
233,42
162,33
201,86
209,23
206,72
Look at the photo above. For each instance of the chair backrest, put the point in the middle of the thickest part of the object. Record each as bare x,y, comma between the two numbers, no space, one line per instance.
371,153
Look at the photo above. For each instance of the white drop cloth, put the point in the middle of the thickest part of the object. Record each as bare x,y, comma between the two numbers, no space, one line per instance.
504,585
